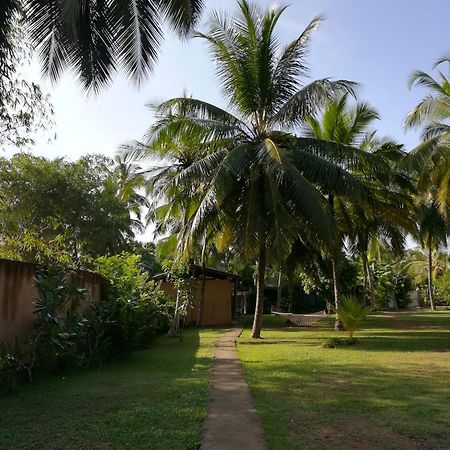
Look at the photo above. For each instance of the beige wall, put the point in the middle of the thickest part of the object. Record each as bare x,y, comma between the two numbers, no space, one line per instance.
217,306
18,292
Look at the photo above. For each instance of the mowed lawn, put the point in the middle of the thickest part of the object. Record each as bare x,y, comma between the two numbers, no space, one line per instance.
390,391
155,400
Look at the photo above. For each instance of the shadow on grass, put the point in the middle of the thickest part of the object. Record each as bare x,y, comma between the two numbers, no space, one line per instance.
372,407
127,405
386,332
389,391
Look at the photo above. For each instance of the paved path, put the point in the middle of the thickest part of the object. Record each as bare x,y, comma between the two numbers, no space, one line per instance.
232,422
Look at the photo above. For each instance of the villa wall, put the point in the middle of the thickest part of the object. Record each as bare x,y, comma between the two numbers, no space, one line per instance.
18,292
217,306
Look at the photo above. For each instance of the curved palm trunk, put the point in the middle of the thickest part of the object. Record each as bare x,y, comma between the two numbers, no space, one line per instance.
203,285
430,272
369,283
338,325
260,284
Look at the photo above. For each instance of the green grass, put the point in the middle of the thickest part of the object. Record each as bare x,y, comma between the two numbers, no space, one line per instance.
389,391
155,400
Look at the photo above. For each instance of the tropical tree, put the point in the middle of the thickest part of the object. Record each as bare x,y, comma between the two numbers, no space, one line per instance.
431,159
364,225
346,124
257,182
95,38
430,163
60,210
432,231
24,107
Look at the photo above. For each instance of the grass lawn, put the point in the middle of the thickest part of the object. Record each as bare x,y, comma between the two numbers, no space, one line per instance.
155,400
389,391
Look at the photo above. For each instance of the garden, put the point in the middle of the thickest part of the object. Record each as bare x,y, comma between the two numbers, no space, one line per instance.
281,208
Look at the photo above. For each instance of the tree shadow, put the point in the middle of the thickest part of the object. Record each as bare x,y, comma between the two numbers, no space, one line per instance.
120,405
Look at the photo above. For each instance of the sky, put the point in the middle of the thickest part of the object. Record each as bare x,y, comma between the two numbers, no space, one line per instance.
375,43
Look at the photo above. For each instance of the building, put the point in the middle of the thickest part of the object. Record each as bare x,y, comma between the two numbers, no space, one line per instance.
221,290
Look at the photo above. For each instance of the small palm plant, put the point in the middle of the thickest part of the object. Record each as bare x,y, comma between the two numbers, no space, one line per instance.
351,313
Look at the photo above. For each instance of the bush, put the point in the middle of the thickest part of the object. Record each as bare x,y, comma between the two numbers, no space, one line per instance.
72,331
12,369
133,307
352,314
442,289
335,342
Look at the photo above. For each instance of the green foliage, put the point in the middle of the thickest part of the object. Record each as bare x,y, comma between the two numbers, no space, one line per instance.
24,108
134,308
442,286
12,368
180,277
352,313
335,342
72,331
58,339
55,211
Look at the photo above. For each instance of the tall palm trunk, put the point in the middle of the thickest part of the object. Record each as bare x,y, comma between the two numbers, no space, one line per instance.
369,283
338,325
260,284
430,272
203,285
279,289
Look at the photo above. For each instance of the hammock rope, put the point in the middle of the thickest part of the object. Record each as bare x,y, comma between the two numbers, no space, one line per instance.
302,320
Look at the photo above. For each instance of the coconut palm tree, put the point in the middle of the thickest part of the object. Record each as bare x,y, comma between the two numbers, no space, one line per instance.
374,162
431,159
94,38
432,231
346,124
258,181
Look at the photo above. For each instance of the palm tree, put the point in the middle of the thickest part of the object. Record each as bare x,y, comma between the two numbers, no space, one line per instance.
432,232
258,181
431,159
430,162
345,124
96,37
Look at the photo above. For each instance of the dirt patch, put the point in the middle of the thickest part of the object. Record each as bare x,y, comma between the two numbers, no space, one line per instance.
363,435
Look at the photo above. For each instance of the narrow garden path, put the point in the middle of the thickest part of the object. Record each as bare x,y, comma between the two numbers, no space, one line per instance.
232,421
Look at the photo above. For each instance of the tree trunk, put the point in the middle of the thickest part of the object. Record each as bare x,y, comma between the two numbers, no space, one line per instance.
365,278
430,272
279,290
175,327
203,285
338,325
291,296
371,286
260,284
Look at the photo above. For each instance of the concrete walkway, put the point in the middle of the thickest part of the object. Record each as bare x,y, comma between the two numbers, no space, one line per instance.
232,422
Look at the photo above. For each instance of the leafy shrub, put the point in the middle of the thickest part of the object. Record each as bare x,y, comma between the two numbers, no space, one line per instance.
352,314
12,369
133,308
71,331
335,342
442,289
59,331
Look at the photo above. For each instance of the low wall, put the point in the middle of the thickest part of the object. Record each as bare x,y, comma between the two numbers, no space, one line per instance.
18,292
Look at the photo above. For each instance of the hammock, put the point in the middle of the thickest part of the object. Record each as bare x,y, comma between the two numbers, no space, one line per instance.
302,320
